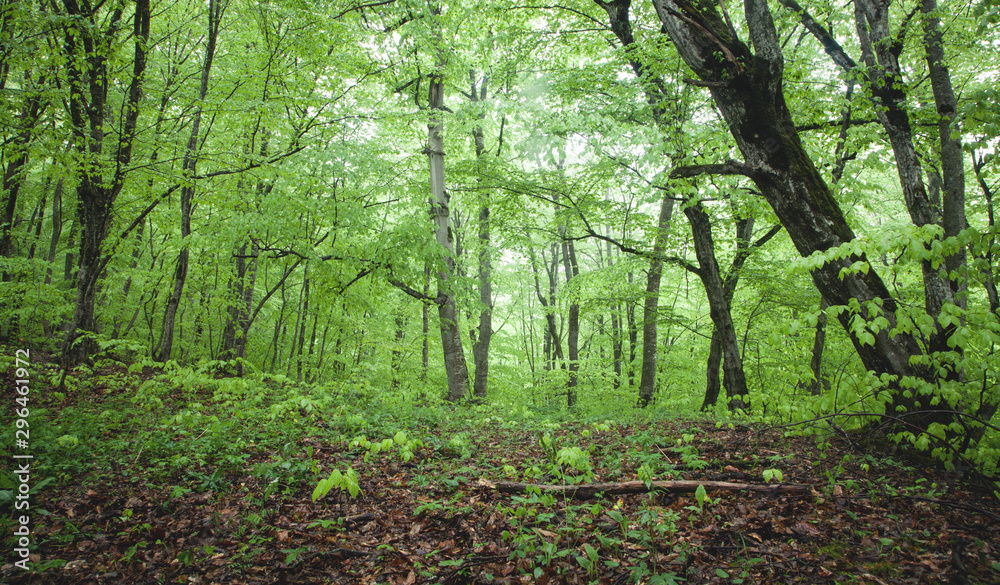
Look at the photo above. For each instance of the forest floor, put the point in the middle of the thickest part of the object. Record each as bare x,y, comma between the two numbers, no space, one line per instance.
172,494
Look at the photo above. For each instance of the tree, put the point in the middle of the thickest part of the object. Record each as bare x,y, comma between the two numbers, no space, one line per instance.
747,88
216,8
451,337
103,165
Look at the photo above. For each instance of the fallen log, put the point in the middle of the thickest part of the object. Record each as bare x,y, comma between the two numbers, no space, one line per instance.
589,490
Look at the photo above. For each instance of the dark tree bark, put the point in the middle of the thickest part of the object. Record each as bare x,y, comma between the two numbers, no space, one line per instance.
881,51
721,346
818,383
952,161
88,49
426,329
397,348
718,304
14,171
304,311
571,269
747,88
633,336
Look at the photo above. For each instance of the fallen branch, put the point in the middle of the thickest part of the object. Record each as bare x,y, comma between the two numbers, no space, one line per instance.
589,490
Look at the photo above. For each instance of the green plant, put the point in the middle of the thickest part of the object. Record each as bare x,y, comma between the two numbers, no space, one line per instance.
774,475
346,480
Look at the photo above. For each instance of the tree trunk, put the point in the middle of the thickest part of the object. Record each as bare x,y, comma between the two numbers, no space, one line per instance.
190,164
398,345
15,171
616,334
451,338
552,345
302,327
571,270
647,379
747,88
88,45
881,56
952,161
426,330
819,342
633,336
725,339
481,346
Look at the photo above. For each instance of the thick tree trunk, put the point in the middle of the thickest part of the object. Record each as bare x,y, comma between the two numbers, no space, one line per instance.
451,338
747,88
96,193
647,378
952,161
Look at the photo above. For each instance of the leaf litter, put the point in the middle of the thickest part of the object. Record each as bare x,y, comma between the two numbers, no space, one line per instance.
431,520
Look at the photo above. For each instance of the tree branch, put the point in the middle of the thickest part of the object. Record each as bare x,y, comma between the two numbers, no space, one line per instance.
587,491
730,167
830,45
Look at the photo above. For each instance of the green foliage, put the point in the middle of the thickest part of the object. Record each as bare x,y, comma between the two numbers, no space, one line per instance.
400,444
346,480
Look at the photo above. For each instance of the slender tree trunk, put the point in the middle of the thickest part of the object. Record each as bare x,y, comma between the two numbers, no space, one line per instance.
552,345
650,317
616,332
571,270
191,154
633,336
819,341
15,171
304,324
322,345
397,348
426,328
481,345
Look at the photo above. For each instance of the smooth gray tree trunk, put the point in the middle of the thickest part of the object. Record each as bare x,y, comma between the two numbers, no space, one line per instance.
451,338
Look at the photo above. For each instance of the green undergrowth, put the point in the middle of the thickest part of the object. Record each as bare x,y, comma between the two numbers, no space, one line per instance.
189,431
